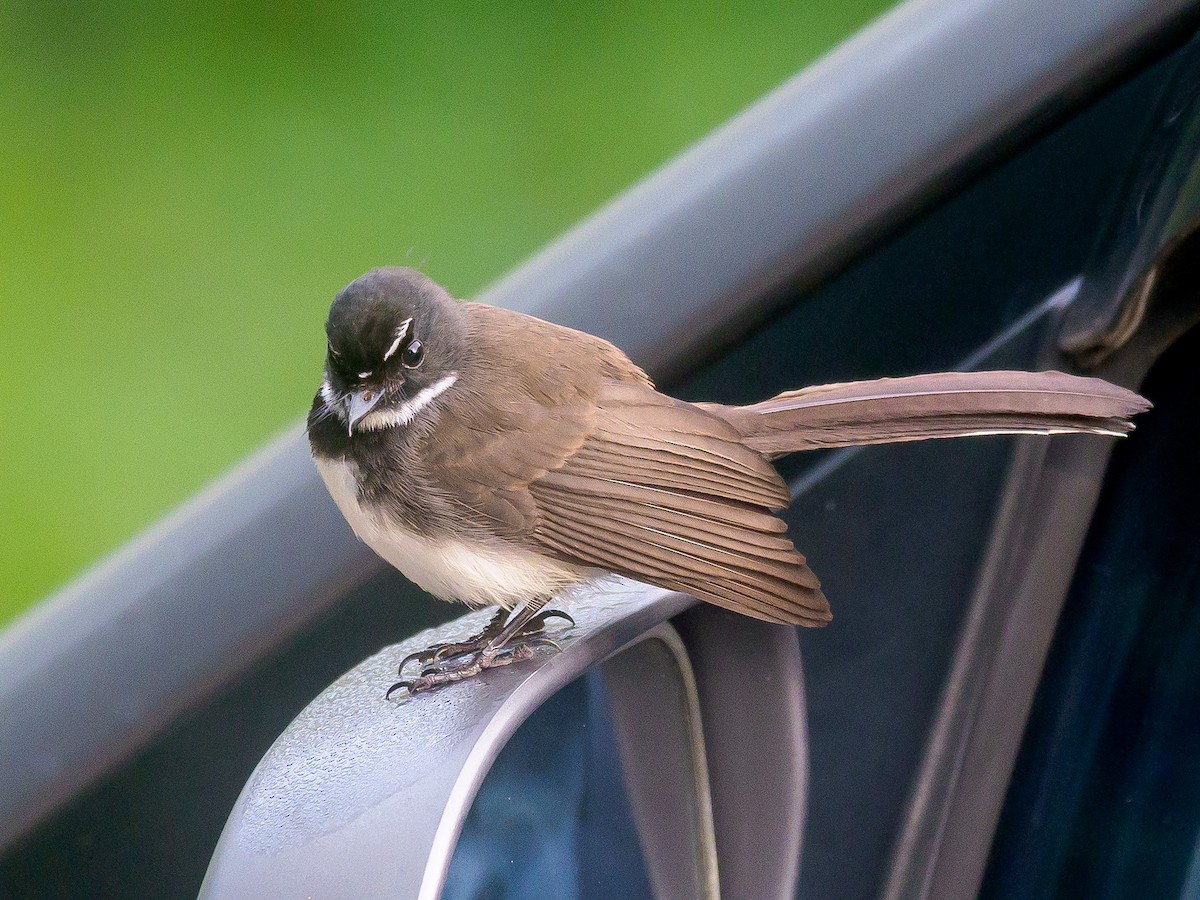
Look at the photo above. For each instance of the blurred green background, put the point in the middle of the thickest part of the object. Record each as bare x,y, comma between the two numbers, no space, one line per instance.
185,186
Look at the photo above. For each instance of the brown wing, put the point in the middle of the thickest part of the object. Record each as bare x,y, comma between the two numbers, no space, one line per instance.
667,494
578,456
517,416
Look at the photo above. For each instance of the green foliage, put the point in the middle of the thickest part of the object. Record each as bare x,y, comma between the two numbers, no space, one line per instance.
185,186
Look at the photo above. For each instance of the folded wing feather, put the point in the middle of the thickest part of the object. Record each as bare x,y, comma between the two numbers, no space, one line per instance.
666,493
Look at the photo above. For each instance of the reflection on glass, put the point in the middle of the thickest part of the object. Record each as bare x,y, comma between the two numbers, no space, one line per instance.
552,818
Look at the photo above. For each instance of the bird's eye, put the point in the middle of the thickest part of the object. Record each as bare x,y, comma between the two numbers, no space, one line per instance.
412,354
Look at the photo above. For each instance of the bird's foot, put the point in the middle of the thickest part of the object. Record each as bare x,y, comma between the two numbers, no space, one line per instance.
463,666
439,653
476,642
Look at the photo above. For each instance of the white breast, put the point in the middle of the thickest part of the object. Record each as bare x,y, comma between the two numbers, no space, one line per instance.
473,573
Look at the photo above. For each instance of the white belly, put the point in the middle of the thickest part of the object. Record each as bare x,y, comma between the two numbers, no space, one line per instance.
472,573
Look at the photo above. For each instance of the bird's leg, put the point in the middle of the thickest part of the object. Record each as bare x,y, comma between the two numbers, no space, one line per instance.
518,637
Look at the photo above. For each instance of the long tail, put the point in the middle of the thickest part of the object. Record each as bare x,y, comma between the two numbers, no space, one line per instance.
949,404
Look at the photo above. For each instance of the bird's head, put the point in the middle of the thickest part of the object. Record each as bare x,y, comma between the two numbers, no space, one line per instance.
395,339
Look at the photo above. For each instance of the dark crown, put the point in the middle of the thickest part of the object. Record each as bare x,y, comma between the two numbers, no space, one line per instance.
369,313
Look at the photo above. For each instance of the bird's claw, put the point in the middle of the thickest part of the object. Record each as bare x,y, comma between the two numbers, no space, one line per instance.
538,622
438,675
439,653
408,685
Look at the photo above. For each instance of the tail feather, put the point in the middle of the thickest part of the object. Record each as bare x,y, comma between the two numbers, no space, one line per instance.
949,404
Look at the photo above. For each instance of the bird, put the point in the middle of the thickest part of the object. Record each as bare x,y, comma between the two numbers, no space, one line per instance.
497,459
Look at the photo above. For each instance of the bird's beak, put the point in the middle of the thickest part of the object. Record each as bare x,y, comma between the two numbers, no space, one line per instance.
360,403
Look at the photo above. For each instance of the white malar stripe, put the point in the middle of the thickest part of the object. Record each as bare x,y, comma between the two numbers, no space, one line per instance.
403,415
327,393
400,333
332,401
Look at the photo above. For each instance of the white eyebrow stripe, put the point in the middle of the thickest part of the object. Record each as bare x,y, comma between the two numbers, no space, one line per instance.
388,418
364,374
400,333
